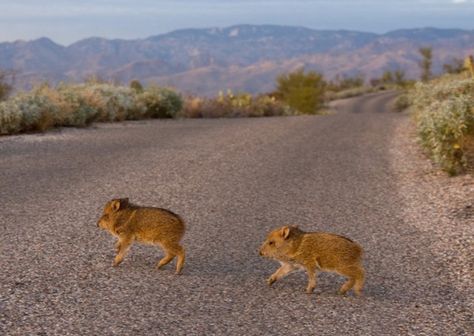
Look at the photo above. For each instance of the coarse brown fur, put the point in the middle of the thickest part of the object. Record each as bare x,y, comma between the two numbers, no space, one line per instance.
313,251
129,223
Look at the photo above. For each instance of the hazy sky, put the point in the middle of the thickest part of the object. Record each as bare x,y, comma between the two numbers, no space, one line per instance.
66,21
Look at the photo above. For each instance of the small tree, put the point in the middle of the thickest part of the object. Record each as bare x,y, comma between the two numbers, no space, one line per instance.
136,85
302,91
426,62
387,77
399,77
7,78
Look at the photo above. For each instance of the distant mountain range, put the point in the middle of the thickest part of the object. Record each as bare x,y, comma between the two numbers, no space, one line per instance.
243,57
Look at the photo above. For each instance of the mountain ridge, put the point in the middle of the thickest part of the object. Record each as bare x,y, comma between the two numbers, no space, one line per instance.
198,60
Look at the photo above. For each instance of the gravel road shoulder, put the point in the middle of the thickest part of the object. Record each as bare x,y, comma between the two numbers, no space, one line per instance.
442,208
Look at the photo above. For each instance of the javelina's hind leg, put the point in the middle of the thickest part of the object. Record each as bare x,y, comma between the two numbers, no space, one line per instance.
359,281
166,259
311,271
355,280
171,252
181,256
347,286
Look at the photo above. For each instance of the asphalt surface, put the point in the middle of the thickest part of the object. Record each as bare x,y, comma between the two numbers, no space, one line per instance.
232,180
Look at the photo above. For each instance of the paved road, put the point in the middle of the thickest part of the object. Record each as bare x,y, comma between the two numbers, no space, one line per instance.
232,180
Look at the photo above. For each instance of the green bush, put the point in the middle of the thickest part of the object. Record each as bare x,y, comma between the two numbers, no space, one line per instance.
402,102
444,114
302,91
136,86
160,102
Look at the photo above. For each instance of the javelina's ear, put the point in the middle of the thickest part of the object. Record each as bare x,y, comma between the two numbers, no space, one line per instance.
118,204
123,203
115,205
285,232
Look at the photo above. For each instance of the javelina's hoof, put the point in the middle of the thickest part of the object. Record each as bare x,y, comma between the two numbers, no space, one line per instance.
270,281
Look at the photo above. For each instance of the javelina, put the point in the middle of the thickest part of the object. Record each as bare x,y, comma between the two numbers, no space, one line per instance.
129,223
313,251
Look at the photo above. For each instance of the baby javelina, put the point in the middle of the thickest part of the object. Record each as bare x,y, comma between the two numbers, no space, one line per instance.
129,223
313,251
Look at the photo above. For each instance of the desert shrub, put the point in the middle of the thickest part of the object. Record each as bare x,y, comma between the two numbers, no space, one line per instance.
160,102
302,91
266,106
402,102
444,114
112,103
26,112
136,86
81,104
11,117
234,105
76,109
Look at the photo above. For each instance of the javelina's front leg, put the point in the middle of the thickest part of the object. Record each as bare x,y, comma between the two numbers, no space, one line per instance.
283,271
122,247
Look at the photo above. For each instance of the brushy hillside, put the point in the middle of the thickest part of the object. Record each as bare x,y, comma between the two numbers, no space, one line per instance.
444,115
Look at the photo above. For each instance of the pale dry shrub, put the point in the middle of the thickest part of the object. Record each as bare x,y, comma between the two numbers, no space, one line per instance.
444,114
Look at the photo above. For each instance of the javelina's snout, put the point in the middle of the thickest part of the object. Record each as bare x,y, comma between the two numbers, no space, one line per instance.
98,222
261,251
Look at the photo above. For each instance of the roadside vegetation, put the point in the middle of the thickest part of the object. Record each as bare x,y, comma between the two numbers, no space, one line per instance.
443,110
229,104
78,105
7,79
302,91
